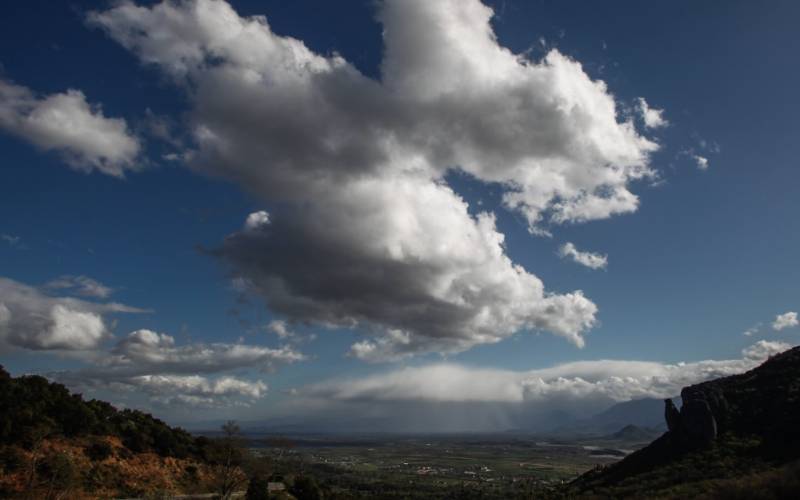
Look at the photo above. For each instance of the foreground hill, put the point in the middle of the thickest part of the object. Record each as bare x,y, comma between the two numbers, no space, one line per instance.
54,444
737,436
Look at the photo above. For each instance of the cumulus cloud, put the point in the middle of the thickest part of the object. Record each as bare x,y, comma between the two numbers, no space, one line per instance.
172,390
31,319
82,285
588,259
763,349
68,124
785,320
256,220
369,233
279,328
424,275
196,390
652,117
196,385
148,351
609,380
192,374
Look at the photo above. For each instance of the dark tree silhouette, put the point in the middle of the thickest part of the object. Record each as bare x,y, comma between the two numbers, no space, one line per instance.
228,454
306,488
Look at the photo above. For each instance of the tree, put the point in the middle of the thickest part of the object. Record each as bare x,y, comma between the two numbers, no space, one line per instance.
36,437
259,470
306,488
58,475
98,450
228,454
257,489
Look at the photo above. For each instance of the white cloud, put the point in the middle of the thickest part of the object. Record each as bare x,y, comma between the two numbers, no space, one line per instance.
369,233
152,363
702,161
66,123
33,320
588,259
151,352
652,117
752,330
391,346
73,329
785,320
280,329
82,285
195,389
413,266
256,220
700,155
763,349
610,380
174,390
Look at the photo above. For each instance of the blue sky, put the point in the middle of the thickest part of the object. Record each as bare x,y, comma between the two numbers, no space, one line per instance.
706,254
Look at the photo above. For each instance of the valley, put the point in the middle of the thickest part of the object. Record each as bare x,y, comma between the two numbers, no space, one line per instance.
403,466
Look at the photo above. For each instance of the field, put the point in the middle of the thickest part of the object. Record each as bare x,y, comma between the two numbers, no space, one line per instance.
442,466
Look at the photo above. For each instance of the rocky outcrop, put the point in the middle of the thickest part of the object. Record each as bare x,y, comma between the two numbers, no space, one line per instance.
695,425
698,421
714,398
672,416
726,428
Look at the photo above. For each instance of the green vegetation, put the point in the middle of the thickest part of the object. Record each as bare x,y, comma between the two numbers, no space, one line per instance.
468,466
306,488
35,409
257,489
98,450
53,444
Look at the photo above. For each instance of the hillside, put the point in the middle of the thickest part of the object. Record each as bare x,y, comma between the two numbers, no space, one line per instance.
732,434
53,443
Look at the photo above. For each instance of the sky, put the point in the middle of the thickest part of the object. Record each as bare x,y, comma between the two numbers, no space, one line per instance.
392,211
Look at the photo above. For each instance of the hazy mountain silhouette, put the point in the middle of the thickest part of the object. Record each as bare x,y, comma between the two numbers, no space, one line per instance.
635,433
647,413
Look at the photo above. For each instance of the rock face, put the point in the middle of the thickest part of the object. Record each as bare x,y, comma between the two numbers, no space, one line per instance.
714,398
695,425
698,421
672,416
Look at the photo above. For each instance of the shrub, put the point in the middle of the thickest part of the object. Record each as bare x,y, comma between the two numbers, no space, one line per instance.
11,458
58,474
257,489
98,451
306,488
